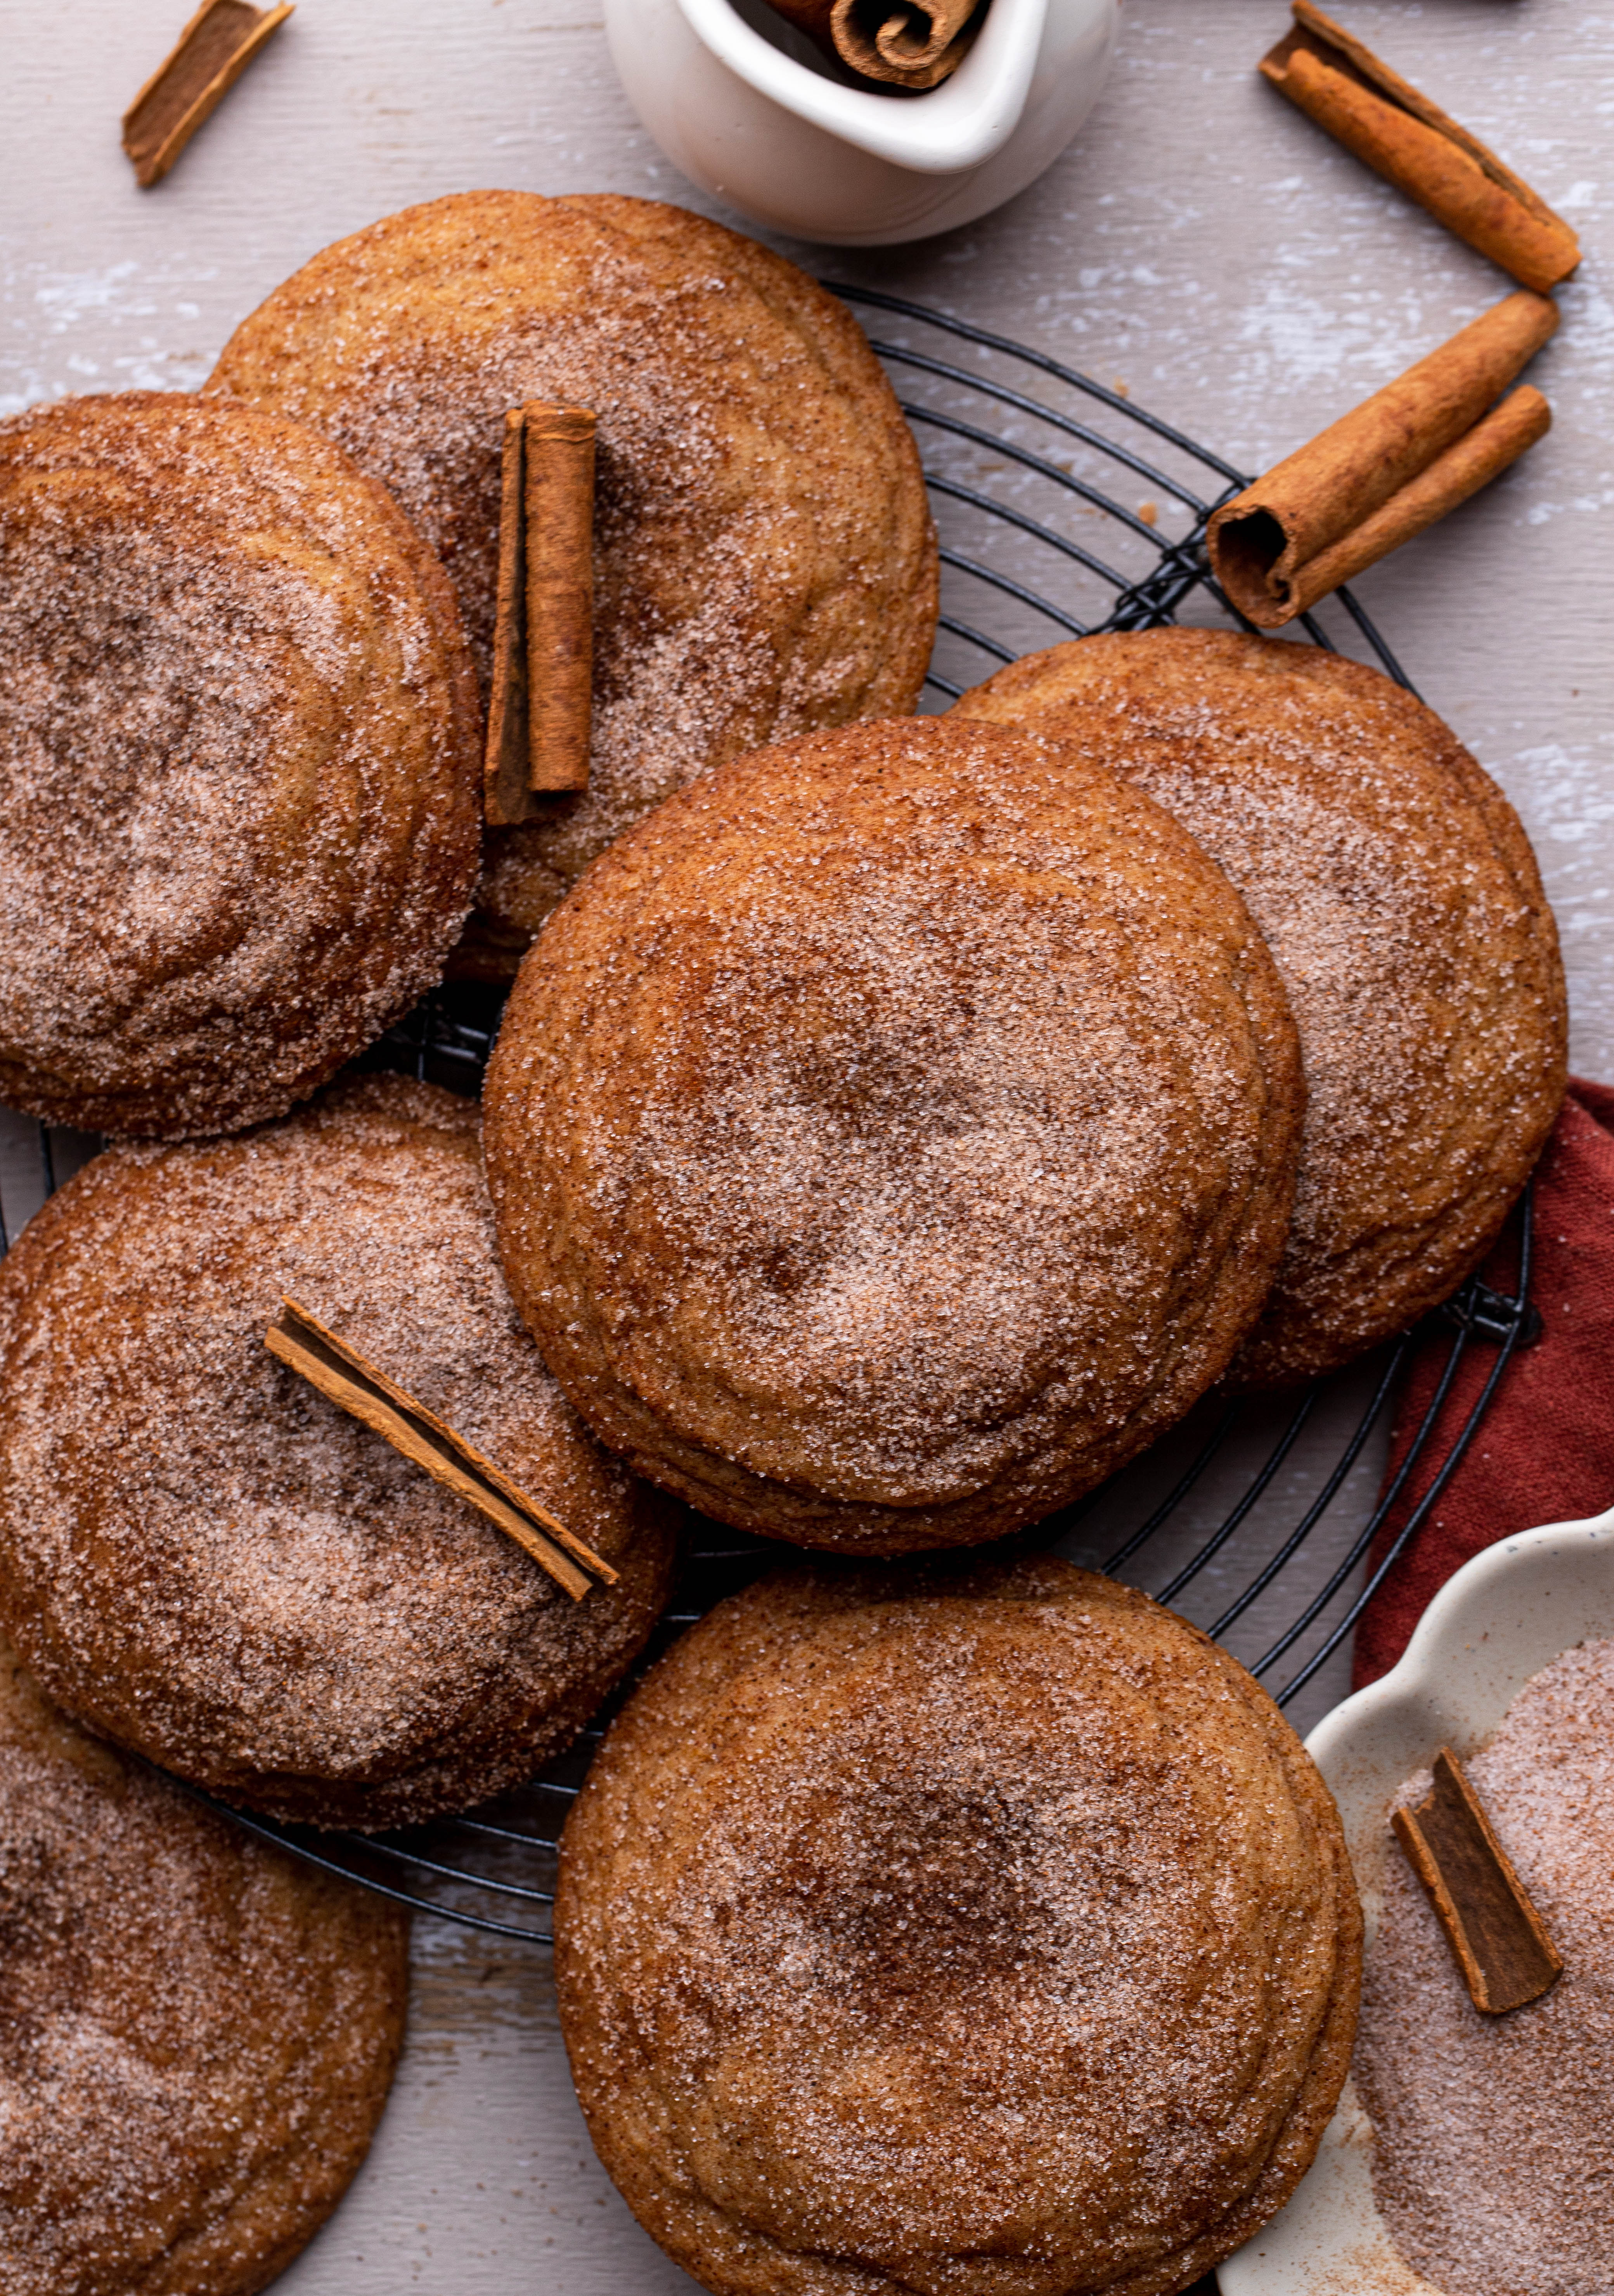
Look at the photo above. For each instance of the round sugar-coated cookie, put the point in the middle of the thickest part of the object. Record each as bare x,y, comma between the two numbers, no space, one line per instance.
239,764
197,2033
979,1933
764,557
892,1133
1399,893
203,1558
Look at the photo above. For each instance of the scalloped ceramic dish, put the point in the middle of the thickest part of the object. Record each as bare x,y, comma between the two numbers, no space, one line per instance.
1504,1616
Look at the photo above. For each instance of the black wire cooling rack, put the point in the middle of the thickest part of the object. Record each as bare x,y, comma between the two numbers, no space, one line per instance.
1063,509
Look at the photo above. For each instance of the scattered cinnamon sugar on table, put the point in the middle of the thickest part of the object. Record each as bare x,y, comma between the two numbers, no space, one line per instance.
1494,2136
210,55
1397,131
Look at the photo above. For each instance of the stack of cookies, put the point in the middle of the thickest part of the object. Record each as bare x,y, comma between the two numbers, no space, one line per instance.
897,1125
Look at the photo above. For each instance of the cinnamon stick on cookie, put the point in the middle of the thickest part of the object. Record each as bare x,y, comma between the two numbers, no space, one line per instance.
1385,471
349,1380
560,509
506,793
539,714
1419,148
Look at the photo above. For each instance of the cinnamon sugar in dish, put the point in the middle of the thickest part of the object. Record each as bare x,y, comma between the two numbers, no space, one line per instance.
1494,2153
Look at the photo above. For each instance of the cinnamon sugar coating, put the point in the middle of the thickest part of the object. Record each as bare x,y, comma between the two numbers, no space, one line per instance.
203,1558
978,1932
892,1133
1399,893
197,2033
764,558
239,768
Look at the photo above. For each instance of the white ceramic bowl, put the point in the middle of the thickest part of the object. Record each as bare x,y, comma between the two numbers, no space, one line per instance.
745,105
1500,1619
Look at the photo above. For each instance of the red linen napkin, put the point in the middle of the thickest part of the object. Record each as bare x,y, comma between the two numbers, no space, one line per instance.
1544,1450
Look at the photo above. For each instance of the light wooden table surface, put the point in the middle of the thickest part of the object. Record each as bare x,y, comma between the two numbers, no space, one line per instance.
1201,242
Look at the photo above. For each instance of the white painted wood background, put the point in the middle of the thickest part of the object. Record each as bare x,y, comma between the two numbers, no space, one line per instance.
1202,241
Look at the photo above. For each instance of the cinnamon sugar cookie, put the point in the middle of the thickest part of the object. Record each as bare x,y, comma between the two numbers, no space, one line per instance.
239,769
204,1560
1397,891
763,559
197,2033
981,1933
892,1133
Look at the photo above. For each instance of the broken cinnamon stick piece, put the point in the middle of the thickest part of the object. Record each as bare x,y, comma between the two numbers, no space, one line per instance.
913,44
212,52
543,648
1386,470
1397,131
347,1379
1497,1936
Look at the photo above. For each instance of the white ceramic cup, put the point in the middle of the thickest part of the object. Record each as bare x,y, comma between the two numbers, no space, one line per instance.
747,107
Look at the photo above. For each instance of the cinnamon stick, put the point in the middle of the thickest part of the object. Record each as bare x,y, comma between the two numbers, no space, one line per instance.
212,52
913,44
560,506
349,1380
1386,470
506,792
1397,131
543,654
1496,1937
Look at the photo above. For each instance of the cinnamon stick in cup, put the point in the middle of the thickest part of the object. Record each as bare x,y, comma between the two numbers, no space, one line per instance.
1388,123
914,43
539,712
1385,471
